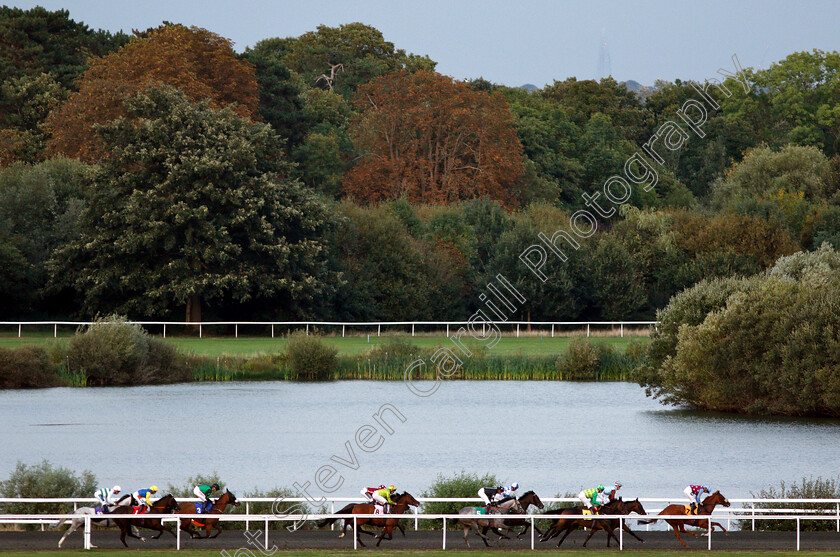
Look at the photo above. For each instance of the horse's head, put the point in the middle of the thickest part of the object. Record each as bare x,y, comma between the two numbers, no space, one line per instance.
406,499
166,504
231,499
716,498
530,498
634,507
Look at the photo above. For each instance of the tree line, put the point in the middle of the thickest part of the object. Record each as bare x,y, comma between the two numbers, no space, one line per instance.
333,175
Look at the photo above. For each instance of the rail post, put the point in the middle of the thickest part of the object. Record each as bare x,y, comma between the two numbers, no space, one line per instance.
307,329
710,533
622,330
838,516
55,330
272,330
178,535
753,519
416,520
236,330
552,330
19,329
517,330
247,514
412,329
797,533
342,330
332,511
447,330
164,330
199,330
266,533
532,532
587,330
378,329
87,531
355,534
444,533
620,534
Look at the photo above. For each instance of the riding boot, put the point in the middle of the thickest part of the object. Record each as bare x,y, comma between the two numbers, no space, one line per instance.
694,508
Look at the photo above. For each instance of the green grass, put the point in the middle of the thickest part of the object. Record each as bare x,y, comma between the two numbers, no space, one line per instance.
424,553
250,345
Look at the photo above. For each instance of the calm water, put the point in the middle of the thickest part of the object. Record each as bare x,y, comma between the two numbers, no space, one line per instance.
552,437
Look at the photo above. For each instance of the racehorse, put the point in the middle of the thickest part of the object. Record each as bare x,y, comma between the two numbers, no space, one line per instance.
208,524
79,519
576,519
497,524
164,505
707,507
528,498
368,508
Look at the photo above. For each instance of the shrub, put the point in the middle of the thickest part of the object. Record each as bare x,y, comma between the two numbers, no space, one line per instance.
27,367
463,484
45,480
810,488
580,363
310,359
112,351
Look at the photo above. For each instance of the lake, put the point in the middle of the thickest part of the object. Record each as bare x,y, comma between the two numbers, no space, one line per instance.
553,437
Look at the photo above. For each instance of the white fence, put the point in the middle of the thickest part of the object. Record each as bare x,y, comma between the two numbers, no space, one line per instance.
755,513
42,519
370,325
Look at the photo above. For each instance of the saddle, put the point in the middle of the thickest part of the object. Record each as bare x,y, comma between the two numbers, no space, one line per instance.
203,508
482,510
379,509
99,510
139,510
689,511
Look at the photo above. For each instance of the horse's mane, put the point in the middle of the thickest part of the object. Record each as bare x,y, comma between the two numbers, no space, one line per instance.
528,493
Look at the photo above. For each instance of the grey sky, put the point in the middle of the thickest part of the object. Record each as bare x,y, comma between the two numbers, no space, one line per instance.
526,41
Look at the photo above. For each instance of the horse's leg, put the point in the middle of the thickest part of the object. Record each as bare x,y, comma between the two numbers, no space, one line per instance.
466,531
631,532
677,527
719,526
595,528
477,531
401,530
73,526
217,526
569,529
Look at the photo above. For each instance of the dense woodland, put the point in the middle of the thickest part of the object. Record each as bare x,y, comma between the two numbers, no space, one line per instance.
333,175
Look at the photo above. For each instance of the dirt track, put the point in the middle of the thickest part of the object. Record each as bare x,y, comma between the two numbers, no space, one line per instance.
327,539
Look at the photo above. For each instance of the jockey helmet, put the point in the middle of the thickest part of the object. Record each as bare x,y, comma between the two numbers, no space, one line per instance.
215,486
600,488
116,489
514,485
706,488
617,483
392,488
153,489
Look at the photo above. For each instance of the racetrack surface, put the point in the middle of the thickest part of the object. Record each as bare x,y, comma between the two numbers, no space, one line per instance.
328,540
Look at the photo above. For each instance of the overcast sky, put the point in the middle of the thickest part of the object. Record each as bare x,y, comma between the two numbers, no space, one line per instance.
515,42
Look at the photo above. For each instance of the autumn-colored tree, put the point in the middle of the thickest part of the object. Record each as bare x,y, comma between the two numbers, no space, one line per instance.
200,63
431,139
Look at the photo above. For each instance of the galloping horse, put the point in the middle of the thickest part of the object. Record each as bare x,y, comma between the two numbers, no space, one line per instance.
79,519
528,498
368,508
209,524
164,505
490,521
707,507
576,519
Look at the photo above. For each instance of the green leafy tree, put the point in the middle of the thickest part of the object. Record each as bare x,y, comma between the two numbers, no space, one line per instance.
192,205
360,49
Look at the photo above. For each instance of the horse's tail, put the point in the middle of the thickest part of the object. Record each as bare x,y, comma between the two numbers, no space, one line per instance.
648,521
327,521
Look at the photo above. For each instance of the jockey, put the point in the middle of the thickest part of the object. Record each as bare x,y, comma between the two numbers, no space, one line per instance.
489,495
203,492
383,497
592,498
368,492
694,492
507,492
142,496
108,497
613,494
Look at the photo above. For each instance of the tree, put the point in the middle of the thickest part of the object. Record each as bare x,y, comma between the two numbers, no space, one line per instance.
431,139
360,49
191,205
200,63
38,41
